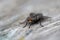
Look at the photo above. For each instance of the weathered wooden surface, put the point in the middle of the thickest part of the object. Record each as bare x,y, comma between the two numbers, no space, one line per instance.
14,11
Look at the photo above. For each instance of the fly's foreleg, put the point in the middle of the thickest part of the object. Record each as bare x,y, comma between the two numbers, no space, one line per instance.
25,25
29,26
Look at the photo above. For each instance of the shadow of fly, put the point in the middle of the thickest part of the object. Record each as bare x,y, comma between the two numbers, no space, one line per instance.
35,19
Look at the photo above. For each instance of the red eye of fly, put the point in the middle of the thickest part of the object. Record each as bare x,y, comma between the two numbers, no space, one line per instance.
30,19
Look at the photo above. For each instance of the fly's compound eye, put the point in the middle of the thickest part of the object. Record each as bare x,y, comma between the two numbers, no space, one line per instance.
30,20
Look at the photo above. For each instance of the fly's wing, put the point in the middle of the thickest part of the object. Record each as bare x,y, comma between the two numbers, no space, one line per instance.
46,17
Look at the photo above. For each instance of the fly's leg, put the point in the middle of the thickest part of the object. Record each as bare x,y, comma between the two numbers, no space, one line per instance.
29,25
25,25
41,25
